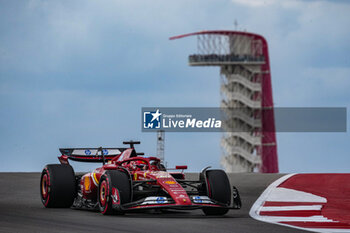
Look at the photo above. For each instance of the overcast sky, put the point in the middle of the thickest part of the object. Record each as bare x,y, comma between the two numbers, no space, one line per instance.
76,74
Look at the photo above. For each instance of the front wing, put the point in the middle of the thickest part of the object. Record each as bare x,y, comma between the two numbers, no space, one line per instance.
198,202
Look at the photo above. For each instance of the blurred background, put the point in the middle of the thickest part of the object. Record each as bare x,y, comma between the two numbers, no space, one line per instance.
76,74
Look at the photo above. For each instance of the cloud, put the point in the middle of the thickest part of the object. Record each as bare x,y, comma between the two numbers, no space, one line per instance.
303,37
329,80
255,3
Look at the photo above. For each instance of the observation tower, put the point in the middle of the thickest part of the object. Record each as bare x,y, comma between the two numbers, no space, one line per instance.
249,140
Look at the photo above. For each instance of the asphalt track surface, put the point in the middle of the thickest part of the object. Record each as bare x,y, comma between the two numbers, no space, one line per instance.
21,211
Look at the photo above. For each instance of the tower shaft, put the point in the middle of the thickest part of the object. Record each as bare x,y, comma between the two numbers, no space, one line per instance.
160,145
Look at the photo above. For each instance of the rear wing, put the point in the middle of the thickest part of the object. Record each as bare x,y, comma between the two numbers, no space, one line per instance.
89,154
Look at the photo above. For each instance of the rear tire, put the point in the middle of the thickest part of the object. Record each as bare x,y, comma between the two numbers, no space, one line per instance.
218,190
109,180
57,186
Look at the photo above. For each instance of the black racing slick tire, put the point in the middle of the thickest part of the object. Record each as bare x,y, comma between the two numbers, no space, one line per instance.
218,190
57,186
114,190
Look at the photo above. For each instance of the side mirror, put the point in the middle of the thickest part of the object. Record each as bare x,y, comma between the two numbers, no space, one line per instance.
182,167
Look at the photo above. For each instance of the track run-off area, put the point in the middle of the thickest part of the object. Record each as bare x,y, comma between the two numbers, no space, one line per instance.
315,202
271,203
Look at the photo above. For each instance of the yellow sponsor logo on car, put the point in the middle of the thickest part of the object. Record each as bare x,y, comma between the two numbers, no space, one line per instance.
170,182
87,183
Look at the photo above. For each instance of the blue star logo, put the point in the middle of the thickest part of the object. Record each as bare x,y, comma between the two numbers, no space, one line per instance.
151,120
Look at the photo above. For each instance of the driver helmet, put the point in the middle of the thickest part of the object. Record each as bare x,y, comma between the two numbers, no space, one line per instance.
137,165
140,165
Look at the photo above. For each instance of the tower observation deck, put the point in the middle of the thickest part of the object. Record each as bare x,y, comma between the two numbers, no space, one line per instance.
249,141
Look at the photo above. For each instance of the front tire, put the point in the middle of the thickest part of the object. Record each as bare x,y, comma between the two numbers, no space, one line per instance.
218,190
57,186
114,190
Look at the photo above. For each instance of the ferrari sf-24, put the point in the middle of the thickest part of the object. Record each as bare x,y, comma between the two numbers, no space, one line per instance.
129,181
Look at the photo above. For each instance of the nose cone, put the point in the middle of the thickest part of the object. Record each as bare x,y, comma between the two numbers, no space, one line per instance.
175,190
183,200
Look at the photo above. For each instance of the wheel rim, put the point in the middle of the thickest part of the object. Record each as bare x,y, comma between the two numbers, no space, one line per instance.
44,186
103,193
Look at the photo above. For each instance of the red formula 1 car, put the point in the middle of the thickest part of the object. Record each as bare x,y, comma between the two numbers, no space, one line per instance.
129,181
